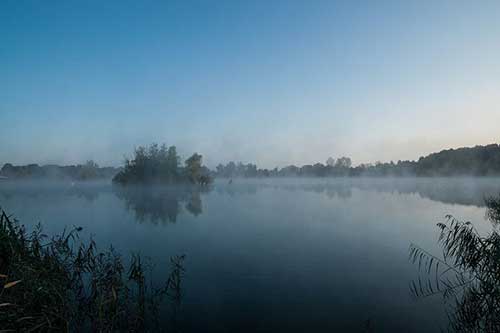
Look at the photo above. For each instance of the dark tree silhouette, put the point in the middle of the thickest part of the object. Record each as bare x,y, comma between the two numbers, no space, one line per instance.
88,171
155,165
476,161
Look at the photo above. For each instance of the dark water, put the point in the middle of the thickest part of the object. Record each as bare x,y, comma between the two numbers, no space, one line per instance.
274,255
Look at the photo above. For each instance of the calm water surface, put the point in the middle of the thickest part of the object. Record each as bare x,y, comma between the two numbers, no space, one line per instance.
274,255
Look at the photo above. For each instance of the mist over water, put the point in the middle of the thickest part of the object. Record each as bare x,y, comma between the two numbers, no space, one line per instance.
282,164
273,254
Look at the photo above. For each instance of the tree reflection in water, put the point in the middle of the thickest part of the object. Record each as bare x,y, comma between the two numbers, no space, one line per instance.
157,204
468,274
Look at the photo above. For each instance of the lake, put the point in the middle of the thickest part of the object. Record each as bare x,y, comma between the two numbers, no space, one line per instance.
319,255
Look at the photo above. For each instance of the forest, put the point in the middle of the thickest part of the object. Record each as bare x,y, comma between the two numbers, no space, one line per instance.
475,161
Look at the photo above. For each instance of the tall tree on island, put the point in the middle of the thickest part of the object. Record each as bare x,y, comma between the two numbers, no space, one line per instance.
193,168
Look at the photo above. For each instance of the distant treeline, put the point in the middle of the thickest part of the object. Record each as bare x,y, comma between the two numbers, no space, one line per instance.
476,161
87,171
156,164
162,165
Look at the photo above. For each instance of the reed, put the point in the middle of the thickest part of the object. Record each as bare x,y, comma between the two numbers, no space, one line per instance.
62,283
468,273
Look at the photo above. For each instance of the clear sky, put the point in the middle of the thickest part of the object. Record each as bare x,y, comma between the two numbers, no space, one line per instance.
272,82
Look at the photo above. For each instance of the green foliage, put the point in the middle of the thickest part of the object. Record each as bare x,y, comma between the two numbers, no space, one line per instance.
476,161
62,284
193,168
468,273
161,165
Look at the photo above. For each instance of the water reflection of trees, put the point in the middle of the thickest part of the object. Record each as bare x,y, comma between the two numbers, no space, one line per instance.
468,274
56,190
464,191
161,204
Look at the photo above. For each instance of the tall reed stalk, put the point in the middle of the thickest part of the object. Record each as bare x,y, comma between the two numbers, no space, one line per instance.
62,283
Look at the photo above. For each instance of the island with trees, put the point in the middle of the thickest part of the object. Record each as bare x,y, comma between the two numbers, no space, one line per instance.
161,165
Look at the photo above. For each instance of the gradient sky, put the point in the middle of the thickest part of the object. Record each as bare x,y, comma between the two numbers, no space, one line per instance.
272,82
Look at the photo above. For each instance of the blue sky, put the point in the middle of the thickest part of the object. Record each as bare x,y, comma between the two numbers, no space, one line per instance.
272,82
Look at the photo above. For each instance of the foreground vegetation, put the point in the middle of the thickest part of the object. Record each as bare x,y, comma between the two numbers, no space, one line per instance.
468,275
63,284
162,165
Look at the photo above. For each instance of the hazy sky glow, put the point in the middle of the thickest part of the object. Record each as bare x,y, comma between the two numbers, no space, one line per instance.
272,82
